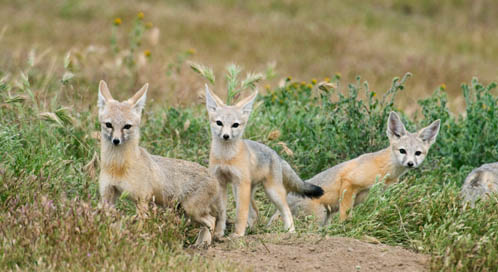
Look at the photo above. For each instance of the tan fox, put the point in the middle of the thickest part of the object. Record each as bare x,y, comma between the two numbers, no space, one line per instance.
126,167
481,183
245,163
350,181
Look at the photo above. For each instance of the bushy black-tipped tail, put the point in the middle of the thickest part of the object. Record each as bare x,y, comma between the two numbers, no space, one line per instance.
312,190
295,184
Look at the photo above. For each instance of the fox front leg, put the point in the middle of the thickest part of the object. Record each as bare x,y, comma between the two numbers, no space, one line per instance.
221,221
346,202
109,194
242,205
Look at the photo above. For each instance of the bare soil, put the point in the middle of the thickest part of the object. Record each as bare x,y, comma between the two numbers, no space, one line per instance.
310,252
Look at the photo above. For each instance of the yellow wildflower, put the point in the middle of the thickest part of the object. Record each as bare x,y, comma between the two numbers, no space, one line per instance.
374,94
191,51
117,21
149,25
267,86
140,15
313,81
147,53
443,86
309,85
289,78
303,83
326,79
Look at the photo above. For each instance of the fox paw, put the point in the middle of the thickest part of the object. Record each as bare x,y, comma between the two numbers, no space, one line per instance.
218,236
236,235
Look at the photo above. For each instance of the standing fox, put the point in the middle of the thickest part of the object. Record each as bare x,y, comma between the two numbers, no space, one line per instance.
126,167
245,163
481,183
350,181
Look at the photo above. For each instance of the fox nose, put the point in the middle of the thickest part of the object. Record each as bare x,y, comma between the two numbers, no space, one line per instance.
226,136
116,141
410,164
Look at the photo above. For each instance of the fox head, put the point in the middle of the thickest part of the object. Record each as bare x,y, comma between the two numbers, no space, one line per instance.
228,122
410,149
120,121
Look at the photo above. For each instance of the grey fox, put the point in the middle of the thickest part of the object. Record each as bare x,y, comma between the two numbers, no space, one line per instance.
350,181
126,167
481,183
245,163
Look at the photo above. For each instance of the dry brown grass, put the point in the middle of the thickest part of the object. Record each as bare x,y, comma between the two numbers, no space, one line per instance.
448,42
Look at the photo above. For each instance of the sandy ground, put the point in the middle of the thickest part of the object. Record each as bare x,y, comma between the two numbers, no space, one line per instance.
309,252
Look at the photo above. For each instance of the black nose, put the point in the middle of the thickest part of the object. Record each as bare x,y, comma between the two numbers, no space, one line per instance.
226,136
116,141
410,164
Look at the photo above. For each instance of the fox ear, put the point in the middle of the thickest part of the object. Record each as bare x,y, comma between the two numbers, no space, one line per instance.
395,128
429,134
246,104
212,101
104,95
138,100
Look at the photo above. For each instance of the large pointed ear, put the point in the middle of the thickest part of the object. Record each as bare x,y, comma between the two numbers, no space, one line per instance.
395,128
429,134
138,100
212,101
104,95
246,104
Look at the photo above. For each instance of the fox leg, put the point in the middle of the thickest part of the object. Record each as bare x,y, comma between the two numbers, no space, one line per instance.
253,210
273,217
346,201
109,194
204,238
327,217
278,195
194,209
142,205
242,203
222,213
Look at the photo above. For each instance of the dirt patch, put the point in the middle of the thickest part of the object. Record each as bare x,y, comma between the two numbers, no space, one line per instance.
287,252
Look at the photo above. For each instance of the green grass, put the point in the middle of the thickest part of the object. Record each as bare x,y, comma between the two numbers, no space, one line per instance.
48,194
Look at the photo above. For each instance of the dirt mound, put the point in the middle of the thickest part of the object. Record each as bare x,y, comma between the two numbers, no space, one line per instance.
294,252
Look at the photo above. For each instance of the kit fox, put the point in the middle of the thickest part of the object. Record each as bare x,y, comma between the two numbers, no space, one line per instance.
126,167
481,183
245,163
350,181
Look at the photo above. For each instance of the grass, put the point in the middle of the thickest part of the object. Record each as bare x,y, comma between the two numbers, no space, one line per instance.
49,213
48,196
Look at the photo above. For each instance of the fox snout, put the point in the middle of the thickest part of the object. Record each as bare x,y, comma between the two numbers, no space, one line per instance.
410,164
226,137
116,141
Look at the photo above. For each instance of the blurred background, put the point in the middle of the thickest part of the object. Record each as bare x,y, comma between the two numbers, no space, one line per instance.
78,42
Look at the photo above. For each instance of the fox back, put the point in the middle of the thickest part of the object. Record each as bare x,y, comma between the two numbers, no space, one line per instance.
406,150
481,183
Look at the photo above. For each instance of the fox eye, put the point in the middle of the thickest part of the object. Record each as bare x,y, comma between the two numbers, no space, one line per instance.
235,125
109,125
418,153
127,126
402,151
219,123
